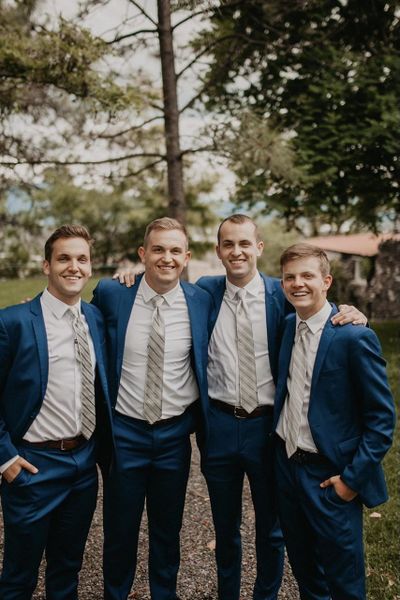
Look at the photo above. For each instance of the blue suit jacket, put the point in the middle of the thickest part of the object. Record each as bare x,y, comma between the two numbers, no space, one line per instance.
116,301
24,364
276,307
351,413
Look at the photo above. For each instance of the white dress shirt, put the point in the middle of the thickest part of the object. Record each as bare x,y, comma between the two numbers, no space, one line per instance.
179,383
59,416
315,324
223,363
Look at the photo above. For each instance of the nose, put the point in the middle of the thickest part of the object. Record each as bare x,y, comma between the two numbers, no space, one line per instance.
236,250
298,281
74,265
167,256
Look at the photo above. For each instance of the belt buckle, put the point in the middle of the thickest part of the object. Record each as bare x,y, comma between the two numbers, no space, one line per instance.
299,456
236,414
62,447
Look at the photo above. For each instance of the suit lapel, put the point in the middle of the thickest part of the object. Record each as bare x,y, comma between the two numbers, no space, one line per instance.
285,356
196,324
41,342
124,309
327,336
218,295
273,315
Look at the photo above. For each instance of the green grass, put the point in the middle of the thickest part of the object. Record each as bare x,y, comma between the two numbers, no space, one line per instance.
13,291
381,534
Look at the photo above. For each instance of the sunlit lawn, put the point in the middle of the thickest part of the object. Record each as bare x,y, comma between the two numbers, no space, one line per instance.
381,532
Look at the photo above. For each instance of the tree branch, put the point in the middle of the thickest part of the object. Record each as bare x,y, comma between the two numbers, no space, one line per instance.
129,35
82,162
200,149
205,50
144,13
112,136
148,166
191,16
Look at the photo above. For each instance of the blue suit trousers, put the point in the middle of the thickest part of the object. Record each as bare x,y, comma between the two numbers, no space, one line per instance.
153,467
50,511
323,533
239,447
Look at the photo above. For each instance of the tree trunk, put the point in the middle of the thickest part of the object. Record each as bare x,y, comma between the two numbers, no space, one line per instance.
176,197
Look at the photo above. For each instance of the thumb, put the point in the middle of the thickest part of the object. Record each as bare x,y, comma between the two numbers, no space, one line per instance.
326,483
28,466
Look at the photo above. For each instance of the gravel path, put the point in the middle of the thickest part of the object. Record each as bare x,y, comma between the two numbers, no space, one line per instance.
197,577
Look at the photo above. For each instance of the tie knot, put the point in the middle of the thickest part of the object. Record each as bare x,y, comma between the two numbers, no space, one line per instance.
241,295
157,301
74,312
302,327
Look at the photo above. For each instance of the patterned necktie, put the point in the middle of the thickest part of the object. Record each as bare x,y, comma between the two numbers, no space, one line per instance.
152,407
297,386
82,350
248,397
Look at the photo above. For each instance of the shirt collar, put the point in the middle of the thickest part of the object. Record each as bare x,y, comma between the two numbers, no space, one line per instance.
57,307
148,292
252,288
317,321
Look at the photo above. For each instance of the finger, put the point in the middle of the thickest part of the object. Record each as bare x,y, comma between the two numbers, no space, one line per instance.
326,483
339,319
28,466
116,276
344,307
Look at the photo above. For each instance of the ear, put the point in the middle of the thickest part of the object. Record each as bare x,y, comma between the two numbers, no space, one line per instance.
142,253
260,247
327,282
218,251
46,267
188,257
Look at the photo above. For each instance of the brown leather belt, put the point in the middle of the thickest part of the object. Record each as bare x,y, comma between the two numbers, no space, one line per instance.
241,413
64,445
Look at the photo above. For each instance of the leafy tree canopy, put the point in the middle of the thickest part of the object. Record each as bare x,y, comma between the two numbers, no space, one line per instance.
326,73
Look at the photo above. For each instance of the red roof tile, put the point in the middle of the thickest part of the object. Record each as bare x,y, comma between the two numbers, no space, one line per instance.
360,244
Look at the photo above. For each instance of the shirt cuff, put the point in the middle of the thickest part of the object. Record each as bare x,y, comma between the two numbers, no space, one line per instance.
5,466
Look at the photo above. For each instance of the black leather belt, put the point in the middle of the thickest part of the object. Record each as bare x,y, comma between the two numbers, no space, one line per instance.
302,457
241,413
65,445
163,422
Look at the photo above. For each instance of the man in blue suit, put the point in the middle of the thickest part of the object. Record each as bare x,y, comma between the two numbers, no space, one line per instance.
55,422
239,440
157,345
334,417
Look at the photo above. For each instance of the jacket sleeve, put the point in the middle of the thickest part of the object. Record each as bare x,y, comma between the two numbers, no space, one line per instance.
7,449
368,369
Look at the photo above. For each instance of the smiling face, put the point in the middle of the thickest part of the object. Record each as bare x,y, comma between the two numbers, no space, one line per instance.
68,269
305,286
239,249
164,256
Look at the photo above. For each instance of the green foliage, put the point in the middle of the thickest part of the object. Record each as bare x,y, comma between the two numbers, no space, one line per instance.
33,56
328,73
116,215
382,534
276,239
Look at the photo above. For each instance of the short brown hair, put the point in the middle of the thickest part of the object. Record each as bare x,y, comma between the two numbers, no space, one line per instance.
66,231
304,251
238,219
164,224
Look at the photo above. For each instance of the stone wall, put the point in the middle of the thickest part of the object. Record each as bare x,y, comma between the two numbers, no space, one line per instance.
384,289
